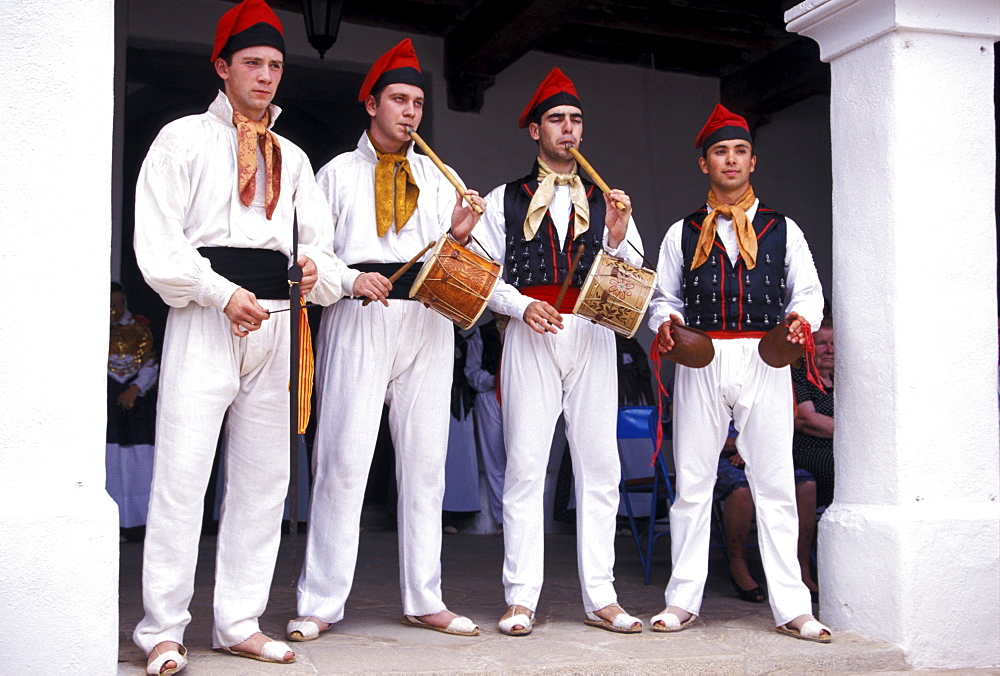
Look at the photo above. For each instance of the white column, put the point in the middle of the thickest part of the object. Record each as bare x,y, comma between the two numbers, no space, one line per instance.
910,550
59,557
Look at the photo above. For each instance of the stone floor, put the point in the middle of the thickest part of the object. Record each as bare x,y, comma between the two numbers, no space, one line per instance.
735,638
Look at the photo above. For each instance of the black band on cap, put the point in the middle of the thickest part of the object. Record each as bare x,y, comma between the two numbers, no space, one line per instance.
404,75
727,133
259,34
558,99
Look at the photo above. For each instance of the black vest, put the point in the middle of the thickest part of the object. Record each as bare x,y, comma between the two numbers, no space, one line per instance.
545,260
720,296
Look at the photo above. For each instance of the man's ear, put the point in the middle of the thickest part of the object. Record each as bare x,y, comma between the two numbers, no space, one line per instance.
703,165
533,131
222,68
370,105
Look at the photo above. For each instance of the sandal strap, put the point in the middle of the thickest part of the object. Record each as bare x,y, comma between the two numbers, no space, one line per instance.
178,658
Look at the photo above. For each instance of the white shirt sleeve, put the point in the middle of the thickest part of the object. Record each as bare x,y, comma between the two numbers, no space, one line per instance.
667,298
492,232
803,290
169,262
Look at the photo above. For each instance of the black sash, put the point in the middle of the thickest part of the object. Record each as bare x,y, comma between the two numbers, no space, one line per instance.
262,272
401,287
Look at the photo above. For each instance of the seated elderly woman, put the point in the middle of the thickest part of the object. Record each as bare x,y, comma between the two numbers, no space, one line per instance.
812,447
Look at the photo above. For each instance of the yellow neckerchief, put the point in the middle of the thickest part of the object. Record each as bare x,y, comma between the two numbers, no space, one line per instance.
540,201
745,235
248,135
396,191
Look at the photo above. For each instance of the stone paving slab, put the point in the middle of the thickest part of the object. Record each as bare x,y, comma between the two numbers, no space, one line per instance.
734,638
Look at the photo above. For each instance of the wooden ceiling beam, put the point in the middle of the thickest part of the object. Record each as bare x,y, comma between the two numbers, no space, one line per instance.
778,80
494,35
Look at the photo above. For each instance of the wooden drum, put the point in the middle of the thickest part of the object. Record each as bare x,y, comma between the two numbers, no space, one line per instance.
456,282
615,294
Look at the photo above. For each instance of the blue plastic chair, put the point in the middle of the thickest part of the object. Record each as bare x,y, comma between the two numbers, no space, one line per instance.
640,422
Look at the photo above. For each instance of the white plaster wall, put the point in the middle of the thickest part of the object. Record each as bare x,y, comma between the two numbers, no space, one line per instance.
910,549
59,562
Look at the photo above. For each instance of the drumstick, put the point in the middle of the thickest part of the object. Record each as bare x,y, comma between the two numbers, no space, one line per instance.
444,170
582,161
399,273
569,276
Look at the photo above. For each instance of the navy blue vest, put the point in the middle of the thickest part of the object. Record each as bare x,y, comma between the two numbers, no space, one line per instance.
545,260
720,296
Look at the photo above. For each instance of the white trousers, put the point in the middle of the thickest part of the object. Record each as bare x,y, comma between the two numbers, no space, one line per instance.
206,372
573,373
489,436
402,355
737,385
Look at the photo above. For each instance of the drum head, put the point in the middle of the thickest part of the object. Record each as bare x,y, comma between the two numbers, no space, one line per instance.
692,348
775,350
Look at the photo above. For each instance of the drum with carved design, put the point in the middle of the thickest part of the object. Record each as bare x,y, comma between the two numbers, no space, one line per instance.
615,294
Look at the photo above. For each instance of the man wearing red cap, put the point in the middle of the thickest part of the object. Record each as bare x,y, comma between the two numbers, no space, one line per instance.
388,203
213,236
554,362
735,269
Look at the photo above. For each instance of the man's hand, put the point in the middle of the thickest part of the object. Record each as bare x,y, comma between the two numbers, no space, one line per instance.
127,398
244,313
665,341
796,328
736,460
372,285
310,275
543,318
464,218
614,220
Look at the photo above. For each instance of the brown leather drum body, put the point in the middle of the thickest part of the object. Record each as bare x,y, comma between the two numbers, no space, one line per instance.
456,282
615,294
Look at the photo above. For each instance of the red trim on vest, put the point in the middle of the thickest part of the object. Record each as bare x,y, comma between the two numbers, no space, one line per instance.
549,293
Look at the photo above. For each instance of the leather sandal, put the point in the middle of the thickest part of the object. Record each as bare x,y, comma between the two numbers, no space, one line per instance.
811,630
460,626
668,622
512,618
272,651
622,624
303,630
178,657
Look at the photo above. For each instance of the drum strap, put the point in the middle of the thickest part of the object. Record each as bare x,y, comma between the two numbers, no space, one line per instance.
401,287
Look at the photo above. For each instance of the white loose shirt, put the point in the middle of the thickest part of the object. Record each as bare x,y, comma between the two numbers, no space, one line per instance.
803,292
187,197
348,181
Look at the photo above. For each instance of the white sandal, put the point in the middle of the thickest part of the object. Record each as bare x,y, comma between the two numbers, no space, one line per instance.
272,651
525,621
303,630
622,624
670,622
179,658
811,630
460,626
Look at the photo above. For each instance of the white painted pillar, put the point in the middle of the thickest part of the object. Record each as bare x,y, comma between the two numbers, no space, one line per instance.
910,550
59,528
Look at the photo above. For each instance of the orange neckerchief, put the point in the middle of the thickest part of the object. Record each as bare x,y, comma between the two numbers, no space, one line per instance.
396,191
248,135
745,236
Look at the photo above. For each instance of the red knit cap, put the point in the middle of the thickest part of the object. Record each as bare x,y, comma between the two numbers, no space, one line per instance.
722,125
556,90
397,66
249,24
